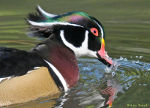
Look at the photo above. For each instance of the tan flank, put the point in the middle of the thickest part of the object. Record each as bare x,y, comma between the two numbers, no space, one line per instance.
35,84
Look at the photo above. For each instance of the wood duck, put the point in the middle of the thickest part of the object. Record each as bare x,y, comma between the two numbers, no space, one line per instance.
51,66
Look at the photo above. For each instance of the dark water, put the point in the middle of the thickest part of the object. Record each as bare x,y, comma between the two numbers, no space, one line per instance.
127,27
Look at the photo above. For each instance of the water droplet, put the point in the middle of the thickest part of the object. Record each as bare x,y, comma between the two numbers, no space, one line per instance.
113,73
140,57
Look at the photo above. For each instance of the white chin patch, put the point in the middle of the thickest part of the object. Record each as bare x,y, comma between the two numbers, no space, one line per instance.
79,51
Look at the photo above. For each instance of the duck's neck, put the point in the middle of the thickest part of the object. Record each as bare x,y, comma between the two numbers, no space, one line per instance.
62,58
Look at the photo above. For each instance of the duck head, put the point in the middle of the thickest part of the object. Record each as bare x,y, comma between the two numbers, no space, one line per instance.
81,33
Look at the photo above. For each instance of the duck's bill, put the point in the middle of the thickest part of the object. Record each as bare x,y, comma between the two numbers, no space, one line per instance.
102,55
104,58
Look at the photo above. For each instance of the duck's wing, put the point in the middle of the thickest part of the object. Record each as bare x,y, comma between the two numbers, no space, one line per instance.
14,62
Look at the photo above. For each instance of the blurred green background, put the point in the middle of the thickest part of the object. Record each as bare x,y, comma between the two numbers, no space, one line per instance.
127,22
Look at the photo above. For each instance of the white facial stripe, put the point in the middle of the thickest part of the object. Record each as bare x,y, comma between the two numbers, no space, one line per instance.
45,13
61,78
44,24
79,51
100,29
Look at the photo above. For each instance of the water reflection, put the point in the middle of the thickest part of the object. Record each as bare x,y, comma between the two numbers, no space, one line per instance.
47,102
102,95
99,88
110,88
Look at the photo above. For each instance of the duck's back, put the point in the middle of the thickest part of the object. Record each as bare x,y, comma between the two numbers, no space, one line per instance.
14,62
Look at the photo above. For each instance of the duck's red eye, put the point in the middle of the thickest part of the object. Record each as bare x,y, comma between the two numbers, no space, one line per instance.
94,31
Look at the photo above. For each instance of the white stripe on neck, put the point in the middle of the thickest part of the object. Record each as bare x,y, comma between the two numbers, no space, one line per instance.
61,78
